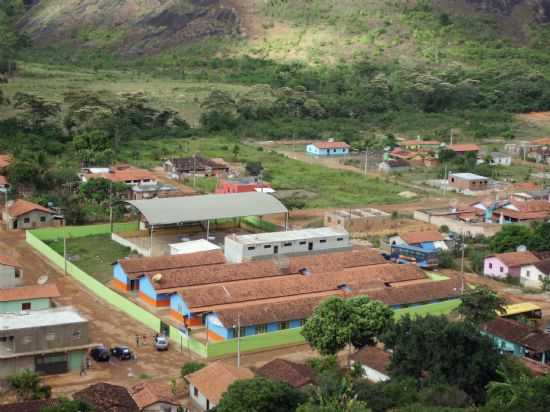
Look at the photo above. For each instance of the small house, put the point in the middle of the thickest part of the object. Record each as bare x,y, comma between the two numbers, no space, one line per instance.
428,240
502,265
106,397
129,175
328,149
500,159
246,184
468,181
177,168
11,272
394,166
24,298
374,362
518,339
535,275
463,149
207,385
153,396
282,370
420,145
22,214
522,211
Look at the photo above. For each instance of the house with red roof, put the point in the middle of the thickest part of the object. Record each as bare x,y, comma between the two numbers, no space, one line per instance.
329,148
22,214
502,265
421,145
464,148
127,174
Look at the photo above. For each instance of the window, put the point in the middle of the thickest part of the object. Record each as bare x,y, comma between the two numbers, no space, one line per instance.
76,334
50,336
302,322
501,269
284,325
26,340
6,338
329,219
528,272
26,306
490,265
339,239
17,273
267,246
251,247
42,218
323,241
302,242
287,244
195,392
261,328
27,220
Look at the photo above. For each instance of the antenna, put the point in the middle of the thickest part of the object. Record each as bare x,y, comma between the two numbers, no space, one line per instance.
42,280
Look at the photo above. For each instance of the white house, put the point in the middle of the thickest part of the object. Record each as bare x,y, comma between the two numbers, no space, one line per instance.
207,385
500,159
11,274
328,149
533,276
374,362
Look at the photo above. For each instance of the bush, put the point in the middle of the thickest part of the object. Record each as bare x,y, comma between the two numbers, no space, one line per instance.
191,367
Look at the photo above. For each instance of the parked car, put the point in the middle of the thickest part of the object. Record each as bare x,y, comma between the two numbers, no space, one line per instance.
122,352
100,354
161,343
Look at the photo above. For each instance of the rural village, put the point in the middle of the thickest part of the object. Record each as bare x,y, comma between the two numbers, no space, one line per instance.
352,239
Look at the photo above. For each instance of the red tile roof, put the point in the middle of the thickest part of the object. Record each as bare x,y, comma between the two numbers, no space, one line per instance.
5,160
29,292
465,147
123,174
21,207
422,236
213,380
419,142
295,374
331,145
374,358
9,261
513,259
148,393
543,141
105,397
513,331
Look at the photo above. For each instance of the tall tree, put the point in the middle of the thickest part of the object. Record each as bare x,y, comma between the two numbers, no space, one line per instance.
509,238
28,386
260,394
480,305
337,322
448,352
540,239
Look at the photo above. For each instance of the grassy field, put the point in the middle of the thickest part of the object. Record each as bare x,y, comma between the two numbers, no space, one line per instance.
439,308
333,188
93,254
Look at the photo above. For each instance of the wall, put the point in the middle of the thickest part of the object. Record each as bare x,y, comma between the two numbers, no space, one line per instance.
457,226
15,306
8,279
200,399
148,293
120,280
133,247
494,268
11,366
530,277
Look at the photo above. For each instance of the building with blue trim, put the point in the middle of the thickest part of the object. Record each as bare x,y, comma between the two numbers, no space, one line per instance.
328,149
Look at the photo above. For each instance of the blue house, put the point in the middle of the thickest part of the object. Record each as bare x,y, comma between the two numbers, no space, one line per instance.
328,149
517,339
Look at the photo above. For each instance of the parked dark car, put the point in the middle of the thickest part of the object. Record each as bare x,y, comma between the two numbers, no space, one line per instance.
100,354
122,352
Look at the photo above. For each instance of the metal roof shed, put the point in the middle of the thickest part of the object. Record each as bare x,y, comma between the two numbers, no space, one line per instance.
179,210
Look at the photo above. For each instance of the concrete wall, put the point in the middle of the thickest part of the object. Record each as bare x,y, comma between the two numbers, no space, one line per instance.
236,252
506,346
467,184
11,366
494,268
128,243
531,277
199,399
457,226
16,305
34,220
10,277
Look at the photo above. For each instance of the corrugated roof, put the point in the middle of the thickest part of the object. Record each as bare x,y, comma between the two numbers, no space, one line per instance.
169,211
543,266
29,292
422,236
468,176
148,393
331,145
5,160
41,318
123,174
519,333
288,236
105,397
213,380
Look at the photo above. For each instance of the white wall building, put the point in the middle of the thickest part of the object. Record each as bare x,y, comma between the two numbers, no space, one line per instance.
11,274
533,276
192,246
294,242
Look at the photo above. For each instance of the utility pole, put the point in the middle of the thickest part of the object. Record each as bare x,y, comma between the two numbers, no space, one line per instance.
151,229
194,170
462,265
451,136
366,161
238,340
111,205
65,245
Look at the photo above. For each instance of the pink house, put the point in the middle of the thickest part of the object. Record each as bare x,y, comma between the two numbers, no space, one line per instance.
503,265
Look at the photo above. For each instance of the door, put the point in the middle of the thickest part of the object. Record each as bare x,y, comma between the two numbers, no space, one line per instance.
133,283
51,364
275,250
15,224
310,246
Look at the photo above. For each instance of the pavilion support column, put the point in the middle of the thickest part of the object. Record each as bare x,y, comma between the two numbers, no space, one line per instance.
286,221
151,243
207,229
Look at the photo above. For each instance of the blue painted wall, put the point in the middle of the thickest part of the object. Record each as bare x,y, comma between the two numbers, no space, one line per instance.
212,321
228,333
505,345
119,274
314,150
427,246
147,288
178,304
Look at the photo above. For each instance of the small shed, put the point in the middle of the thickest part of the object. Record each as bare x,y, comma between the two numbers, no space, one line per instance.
22,214
394,166
192,246
468,181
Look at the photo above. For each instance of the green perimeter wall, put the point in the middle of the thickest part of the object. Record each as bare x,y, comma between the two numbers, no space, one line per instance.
286,337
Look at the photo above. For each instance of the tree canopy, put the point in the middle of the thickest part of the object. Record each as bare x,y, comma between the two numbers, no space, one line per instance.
509,238
337,322
480,305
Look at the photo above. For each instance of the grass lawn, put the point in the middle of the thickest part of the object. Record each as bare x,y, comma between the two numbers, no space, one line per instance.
333,188
93,254
439,308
